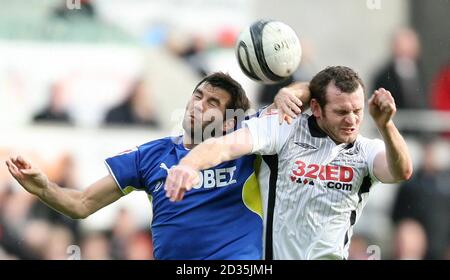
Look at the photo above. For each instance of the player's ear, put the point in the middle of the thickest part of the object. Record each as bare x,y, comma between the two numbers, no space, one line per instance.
315,108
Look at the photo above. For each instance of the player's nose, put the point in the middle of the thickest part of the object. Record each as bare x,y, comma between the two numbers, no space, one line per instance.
198,106
350,119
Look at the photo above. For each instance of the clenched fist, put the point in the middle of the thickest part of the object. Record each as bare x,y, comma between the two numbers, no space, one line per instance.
382,107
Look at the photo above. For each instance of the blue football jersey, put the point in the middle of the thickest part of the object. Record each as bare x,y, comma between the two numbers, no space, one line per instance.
220,218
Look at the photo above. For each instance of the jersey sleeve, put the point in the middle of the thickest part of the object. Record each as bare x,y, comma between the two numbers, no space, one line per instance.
372,148
267,134
125,170
256,114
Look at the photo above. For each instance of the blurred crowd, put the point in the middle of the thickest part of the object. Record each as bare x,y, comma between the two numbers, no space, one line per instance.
135,109
31,230
421,208
419,213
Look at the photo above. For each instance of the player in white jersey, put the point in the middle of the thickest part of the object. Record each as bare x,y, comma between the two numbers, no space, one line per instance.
321,168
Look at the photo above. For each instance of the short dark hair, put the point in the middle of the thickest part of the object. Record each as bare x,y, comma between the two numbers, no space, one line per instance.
344,78
224,81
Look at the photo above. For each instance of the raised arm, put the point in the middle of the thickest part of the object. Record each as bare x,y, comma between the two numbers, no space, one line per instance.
72,203
395,164
208,154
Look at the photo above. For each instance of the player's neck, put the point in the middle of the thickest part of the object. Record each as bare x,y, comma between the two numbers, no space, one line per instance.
323,128
189,142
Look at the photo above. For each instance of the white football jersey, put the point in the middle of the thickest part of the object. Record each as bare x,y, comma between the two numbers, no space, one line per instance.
313,190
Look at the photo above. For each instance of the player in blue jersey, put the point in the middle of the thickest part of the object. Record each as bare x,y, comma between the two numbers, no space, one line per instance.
220,219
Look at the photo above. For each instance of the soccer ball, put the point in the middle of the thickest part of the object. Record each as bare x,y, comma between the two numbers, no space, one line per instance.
268,51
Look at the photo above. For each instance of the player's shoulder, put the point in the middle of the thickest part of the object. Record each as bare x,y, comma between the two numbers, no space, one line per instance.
150,154
246,158
366,145
157,146
362,140
272,118
300,123
160,142
304,117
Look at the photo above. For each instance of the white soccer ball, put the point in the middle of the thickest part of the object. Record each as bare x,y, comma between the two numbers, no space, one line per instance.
268,51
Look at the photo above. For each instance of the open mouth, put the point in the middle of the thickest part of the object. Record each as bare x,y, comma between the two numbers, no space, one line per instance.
193,117
348,130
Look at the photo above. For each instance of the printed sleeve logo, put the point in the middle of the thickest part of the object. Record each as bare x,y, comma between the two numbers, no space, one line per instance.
351,152
164,166
158,186
160,183
305,146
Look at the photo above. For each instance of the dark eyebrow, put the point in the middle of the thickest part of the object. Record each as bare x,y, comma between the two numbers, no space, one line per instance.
342,110
197,90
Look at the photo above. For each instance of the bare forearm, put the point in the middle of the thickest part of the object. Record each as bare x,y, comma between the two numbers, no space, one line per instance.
184,176
65,201
397,154
69,202
206,155
217,150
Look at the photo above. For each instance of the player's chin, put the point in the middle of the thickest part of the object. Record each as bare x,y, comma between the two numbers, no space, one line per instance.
348,137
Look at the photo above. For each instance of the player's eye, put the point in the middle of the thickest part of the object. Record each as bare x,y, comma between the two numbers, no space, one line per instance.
213,103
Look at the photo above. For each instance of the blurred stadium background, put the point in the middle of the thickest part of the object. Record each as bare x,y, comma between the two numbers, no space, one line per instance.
79,85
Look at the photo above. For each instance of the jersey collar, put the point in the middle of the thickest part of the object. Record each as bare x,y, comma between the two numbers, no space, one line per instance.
314,128
316,131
